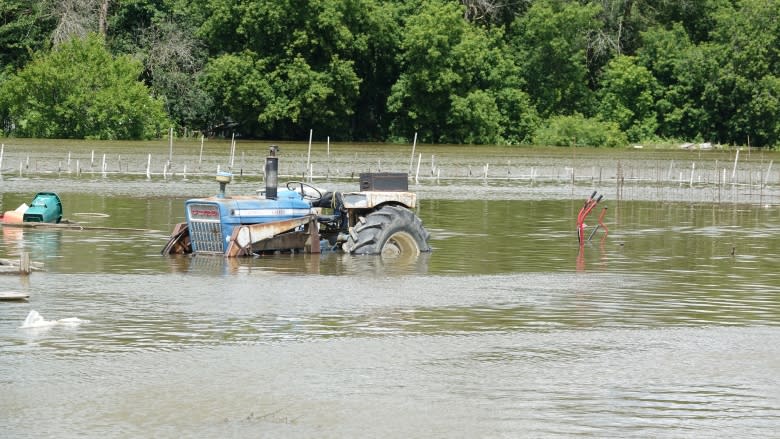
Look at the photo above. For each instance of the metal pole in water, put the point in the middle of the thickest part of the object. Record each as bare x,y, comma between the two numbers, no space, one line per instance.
148,167
103,167
734,171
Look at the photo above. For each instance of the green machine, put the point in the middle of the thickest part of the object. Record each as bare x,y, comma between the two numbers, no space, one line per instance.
46,207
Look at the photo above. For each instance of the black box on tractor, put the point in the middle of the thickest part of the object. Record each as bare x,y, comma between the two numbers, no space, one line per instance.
384,181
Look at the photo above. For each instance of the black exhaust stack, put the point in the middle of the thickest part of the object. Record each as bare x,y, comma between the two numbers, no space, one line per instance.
271,173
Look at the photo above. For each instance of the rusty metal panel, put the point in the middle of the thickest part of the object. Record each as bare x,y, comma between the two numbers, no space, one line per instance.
368,200
179,243
246,237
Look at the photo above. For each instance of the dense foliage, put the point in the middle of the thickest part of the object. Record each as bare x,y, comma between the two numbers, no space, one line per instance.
564,72
79,90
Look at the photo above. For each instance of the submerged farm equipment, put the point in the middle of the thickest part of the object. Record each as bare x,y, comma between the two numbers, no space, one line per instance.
299,217
590,203
46,207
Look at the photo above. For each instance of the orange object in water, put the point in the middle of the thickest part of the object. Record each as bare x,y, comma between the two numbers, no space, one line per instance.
13,217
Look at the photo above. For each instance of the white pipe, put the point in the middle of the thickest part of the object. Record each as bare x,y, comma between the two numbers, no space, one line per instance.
232,149
414,145
308,157
768,170
170,144
200,157
419,159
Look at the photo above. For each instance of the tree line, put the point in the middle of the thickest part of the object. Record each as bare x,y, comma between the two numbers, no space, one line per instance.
553,72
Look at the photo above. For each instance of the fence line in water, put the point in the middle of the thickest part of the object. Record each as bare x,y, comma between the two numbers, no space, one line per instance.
720,177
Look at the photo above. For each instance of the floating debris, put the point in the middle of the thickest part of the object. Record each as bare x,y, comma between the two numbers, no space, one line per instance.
13,296
36,320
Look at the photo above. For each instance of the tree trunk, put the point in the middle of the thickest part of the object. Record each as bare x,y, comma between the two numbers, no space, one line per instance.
103,18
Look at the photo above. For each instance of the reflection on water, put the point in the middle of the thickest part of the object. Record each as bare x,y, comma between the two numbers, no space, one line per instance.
668,327
324,264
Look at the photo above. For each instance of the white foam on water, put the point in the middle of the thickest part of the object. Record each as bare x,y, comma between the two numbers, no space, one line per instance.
36,320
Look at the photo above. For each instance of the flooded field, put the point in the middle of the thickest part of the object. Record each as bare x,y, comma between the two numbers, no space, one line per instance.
665,327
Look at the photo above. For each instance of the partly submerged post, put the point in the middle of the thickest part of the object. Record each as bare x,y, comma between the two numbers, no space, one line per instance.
200,157
414,146
170,145
24,263
232,150
308,157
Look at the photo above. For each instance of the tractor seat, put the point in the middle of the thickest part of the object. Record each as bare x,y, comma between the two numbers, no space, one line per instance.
327,219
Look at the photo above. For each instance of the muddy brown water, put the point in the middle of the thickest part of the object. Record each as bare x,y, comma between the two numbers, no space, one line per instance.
666,327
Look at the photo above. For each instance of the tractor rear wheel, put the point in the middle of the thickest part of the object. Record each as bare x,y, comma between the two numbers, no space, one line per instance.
390,231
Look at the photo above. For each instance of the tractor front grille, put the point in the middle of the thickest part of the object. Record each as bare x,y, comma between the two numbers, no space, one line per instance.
206,237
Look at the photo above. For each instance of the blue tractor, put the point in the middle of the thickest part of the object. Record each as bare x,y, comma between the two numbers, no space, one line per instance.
377,219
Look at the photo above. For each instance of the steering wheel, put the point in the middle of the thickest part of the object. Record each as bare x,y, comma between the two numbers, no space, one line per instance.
307,191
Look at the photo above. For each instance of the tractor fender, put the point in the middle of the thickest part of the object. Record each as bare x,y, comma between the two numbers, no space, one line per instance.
376,199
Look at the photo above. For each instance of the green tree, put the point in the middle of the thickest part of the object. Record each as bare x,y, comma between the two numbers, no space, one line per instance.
723,89
744,95
627,97
161,33
79,90
457,84
577,130
550,43
683,71
301,57
25,26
